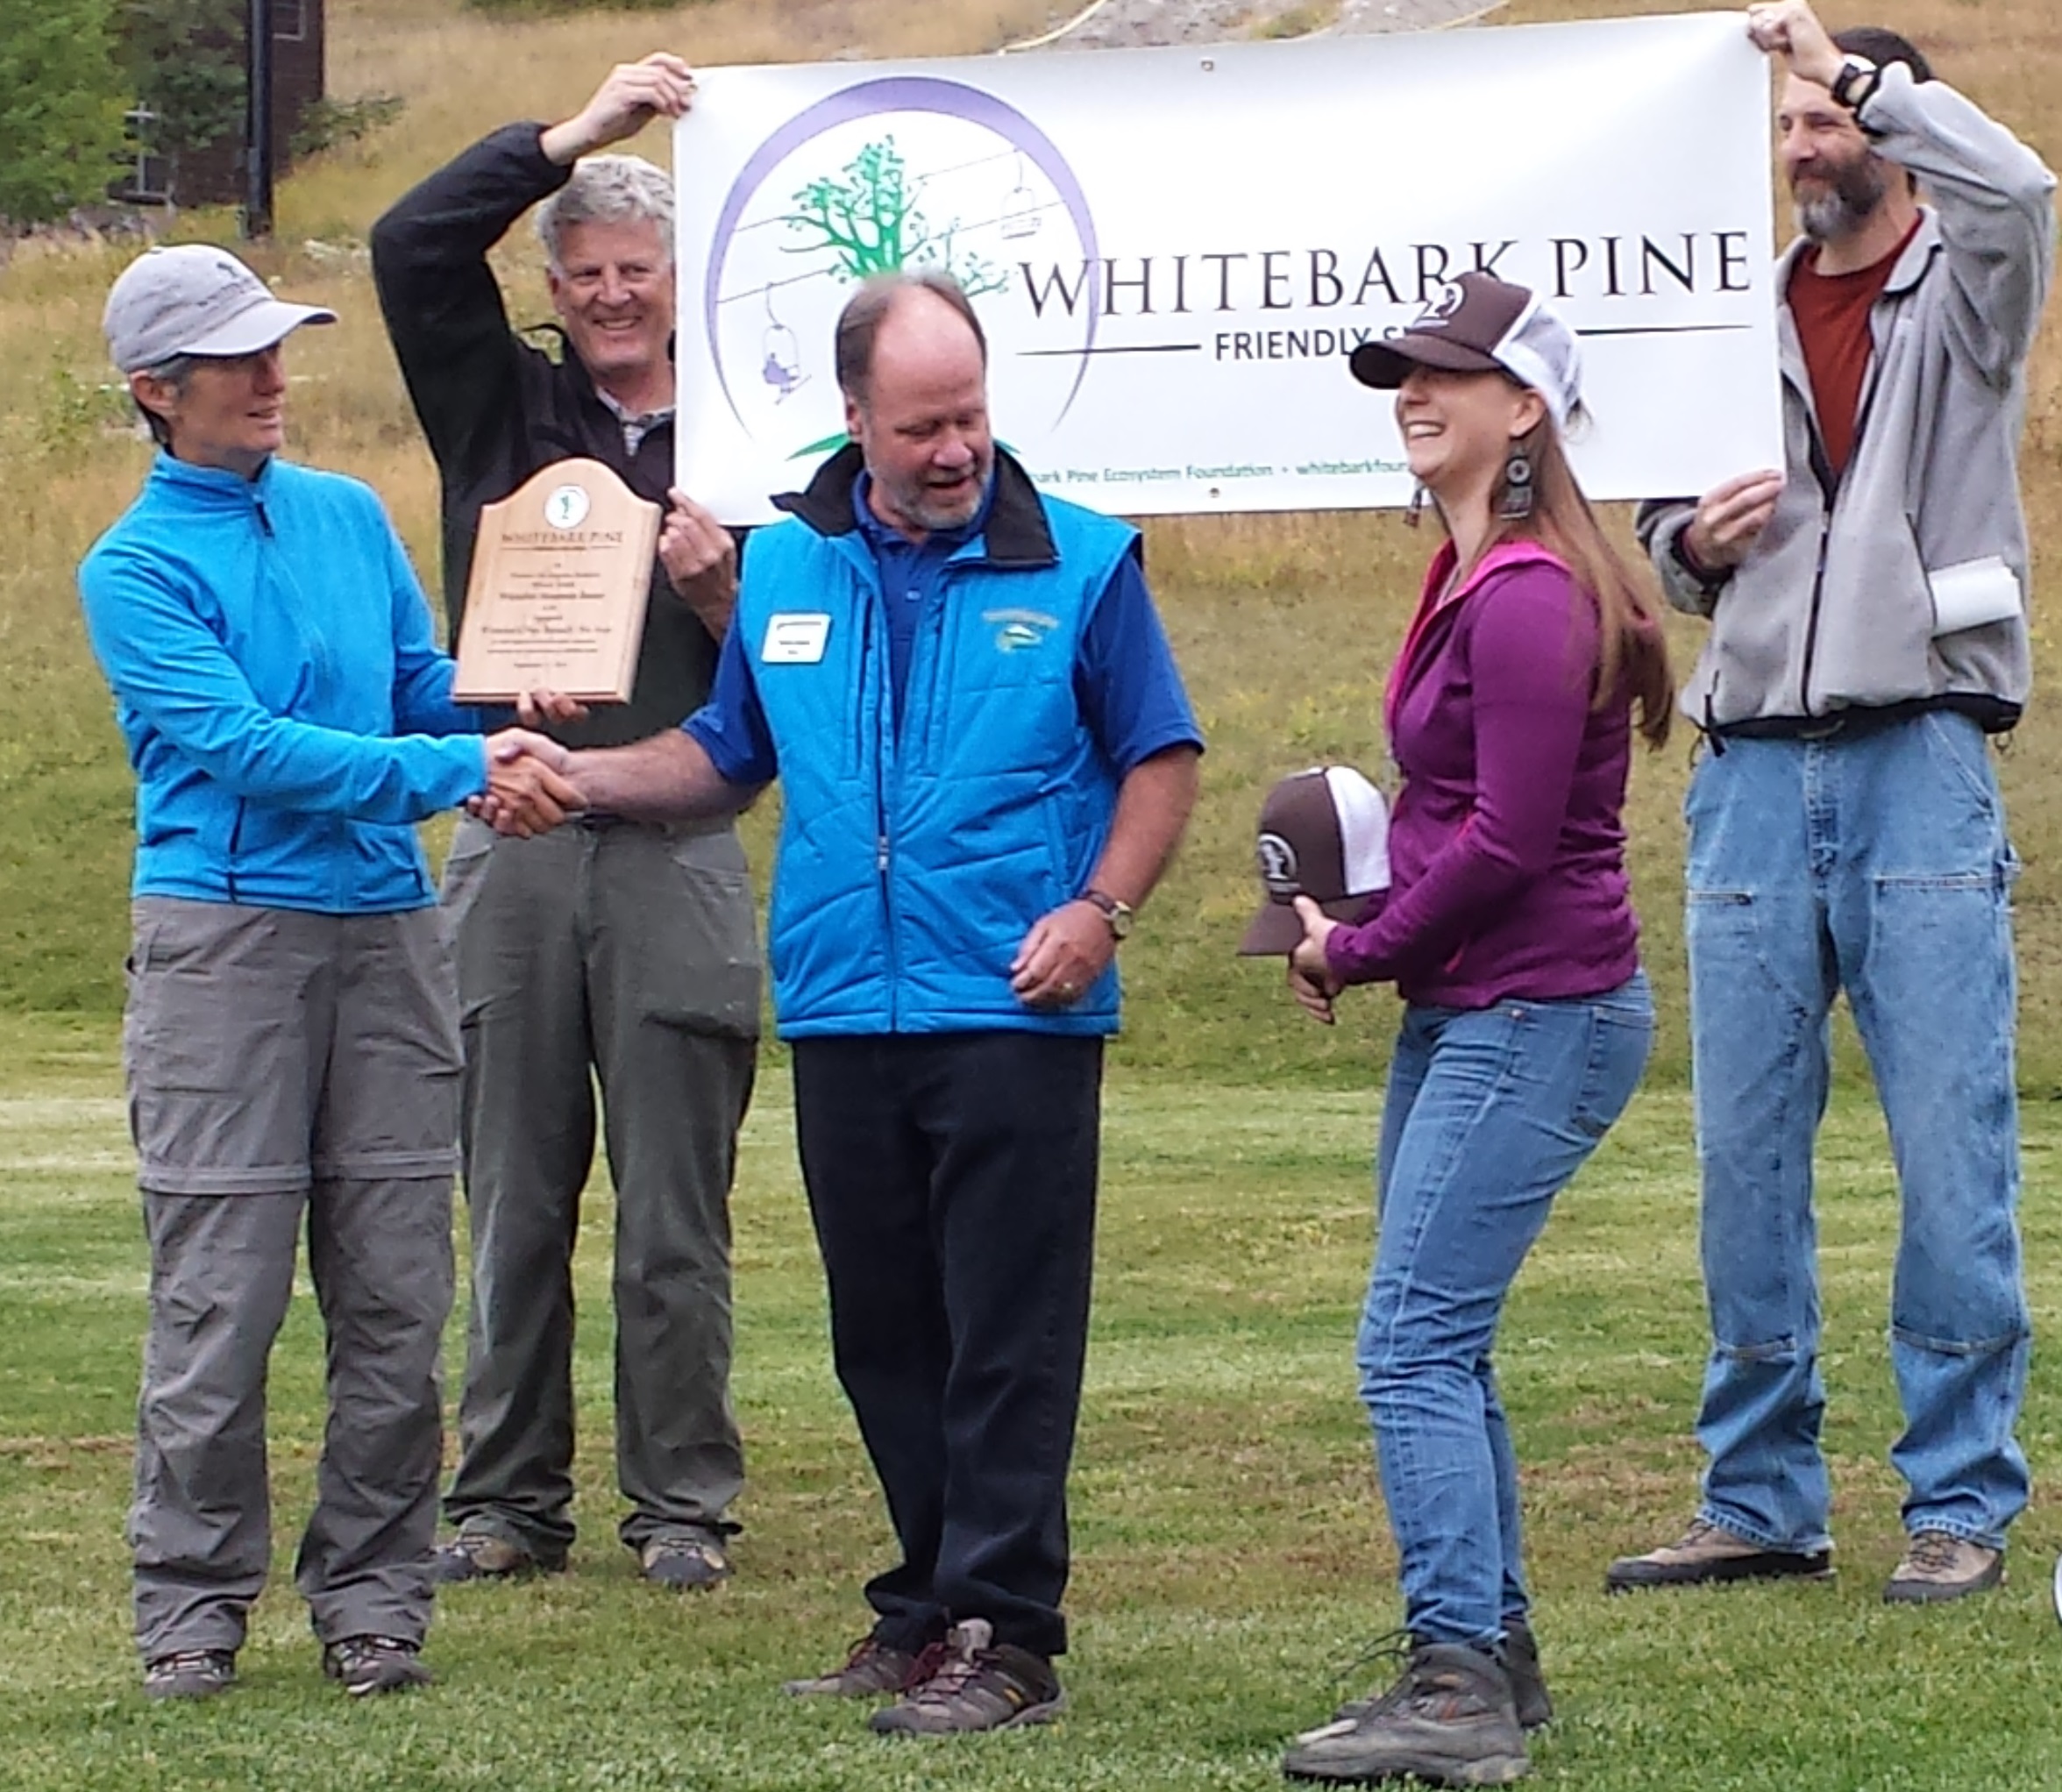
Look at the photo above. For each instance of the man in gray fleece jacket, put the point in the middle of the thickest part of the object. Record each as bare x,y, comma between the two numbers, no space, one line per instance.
1868,630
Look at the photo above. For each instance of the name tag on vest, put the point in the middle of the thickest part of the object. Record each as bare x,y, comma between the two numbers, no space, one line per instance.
795,637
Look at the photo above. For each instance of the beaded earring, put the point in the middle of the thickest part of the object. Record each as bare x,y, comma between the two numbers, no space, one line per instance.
1516,503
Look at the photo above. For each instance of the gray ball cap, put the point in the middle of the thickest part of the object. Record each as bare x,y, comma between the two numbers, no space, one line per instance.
194,299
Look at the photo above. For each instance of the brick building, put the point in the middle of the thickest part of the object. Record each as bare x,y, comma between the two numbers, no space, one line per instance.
214,175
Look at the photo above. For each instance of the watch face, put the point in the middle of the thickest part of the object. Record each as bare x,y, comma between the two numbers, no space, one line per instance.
1119,914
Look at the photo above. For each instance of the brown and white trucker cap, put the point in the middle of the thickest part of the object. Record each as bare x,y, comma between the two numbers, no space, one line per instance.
1481,324
1323,834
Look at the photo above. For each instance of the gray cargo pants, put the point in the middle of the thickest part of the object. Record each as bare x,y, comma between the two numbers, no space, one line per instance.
622,953
282,1065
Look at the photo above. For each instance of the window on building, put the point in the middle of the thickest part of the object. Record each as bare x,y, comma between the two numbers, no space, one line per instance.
145,179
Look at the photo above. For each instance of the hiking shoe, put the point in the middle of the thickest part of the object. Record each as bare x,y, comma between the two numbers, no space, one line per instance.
1706,1554
362,1664
480,1555
1449,1721
977,1683
189,1674
1521,1661
1937,1568
683,1563
873,1670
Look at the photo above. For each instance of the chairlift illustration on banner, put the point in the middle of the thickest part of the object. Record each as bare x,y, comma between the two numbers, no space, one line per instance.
780,356
1019,207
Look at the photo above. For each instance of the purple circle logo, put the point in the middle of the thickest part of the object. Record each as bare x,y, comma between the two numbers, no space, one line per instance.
900,172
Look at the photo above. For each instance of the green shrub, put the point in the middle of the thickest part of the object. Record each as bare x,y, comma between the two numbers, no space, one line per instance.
326,122
60,107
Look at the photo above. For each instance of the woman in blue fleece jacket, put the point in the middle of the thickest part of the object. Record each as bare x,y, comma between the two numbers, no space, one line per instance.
291,1038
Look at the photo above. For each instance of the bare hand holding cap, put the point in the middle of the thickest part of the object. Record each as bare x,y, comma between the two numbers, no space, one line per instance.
1311,980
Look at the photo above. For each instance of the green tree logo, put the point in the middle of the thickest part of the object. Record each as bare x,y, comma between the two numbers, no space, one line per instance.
867,217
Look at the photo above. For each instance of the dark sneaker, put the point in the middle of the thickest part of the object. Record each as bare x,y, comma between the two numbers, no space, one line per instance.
1449,1721
977,1685
1705,1553
189,1674
1521,1661
683,1563
480,1555
362,1664
1937,1568
873,1670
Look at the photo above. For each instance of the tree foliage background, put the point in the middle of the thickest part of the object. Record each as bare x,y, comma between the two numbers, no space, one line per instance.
61,101
183,62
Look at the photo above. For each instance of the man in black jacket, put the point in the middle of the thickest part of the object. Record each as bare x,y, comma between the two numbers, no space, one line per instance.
621,948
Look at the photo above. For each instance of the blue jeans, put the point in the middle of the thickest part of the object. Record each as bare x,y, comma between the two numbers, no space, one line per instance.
1877,864
1487,1115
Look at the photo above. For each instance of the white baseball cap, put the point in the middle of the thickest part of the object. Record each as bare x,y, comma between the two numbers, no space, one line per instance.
194,299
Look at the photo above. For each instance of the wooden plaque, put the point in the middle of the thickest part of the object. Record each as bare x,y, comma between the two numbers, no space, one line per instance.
561,574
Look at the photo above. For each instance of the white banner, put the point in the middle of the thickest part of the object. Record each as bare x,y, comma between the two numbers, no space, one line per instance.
1173,250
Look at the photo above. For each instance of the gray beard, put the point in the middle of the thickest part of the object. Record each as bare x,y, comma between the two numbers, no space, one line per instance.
1847,205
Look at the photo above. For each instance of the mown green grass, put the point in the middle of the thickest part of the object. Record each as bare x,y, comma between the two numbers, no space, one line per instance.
1230,1553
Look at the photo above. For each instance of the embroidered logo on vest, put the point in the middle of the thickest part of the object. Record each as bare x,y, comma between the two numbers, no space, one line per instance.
1017,630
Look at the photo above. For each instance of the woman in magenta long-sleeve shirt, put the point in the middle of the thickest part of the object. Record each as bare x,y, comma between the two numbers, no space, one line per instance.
1508,930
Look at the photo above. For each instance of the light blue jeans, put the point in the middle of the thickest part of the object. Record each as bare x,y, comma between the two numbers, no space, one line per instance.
1878,864
1487,1115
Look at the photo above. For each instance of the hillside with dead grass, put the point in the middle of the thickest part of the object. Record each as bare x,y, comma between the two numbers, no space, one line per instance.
1284,624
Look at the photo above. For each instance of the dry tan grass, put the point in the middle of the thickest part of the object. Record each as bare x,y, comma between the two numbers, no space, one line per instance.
1285,624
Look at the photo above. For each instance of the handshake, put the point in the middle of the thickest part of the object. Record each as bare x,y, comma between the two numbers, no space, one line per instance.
528,789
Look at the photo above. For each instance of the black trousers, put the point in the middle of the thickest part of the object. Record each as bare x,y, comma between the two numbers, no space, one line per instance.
952,1182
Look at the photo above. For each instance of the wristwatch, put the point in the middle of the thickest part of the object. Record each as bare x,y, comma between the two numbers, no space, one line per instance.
1856,82
1119,914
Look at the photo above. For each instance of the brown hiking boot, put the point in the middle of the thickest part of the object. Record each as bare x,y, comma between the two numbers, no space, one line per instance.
872,1670
1529,1695
366,1665
1449,1721
1937,1568
977,1685
1706,1554
683,1564
481,1556
189,1674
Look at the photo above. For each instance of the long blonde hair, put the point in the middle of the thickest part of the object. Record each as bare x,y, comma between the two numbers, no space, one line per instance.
1631,647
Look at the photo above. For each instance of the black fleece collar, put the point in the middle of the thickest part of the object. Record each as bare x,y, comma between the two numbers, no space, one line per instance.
1017,534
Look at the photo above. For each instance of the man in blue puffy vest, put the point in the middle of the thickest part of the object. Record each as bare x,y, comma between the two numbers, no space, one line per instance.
987,759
